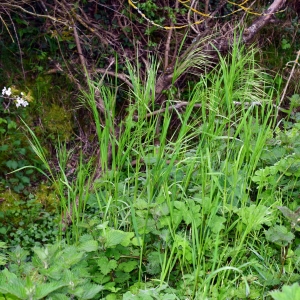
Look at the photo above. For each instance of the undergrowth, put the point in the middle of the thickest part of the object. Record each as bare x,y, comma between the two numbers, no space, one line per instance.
207,211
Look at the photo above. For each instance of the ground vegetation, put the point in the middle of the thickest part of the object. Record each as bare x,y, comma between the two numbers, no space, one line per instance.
149,149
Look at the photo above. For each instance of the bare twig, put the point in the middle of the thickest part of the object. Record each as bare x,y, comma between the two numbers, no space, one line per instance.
121,76
79,50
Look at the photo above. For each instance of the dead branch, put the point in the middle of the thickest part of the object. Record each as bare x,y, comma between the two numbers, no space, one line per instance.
219,44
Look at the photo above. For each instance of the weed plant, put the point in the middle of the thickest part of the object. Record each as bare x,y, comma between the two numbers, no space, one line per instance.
188,214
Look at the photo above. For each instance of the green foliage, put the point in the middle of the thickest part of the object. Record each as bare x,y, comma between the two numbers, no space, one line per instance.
288,293
15,152
57,271
206,214
26,222
281,161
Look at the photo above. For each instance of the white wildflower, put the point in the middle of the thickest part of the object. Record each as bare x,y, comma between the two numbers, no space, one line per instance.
21,102
6,91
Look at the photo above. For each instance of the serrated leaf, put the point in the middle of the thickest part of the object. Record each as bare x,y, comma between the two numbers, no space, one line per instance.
216,223
91,290
128,266
9,283
113,238
121,276
288,293
44,289
71,257
279,235
106,265
58,296
88,246
290,215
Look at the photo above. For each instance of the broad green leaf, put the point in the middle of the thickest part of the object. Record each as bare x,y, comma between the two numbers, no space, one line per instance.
288,293
3,147
3,121
9,283
115,237
72,257
44,289
106,265
91,290
12,164
130,296
111,297
128,266
121,276
145,226
290,215
12,125
279,235
42,253
55,271
216,223
88,246
59,296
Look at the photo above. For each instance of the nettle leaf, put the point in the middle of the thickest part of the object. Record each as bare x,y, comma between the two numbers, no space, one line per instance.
88,246
71,257
59,296
145,225
279,235
54,272
183,246
128,266
9,283
121,276
154,263
216,223
273,154
3,121
115,237
44,289
3,147
137,241
160,210
12,164
105,265
288,293
42,253
294,217
90,290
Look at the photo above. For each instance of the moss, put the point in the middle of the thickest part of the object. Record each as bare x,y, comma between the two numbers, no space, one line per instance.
8,200
57,122
46,195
